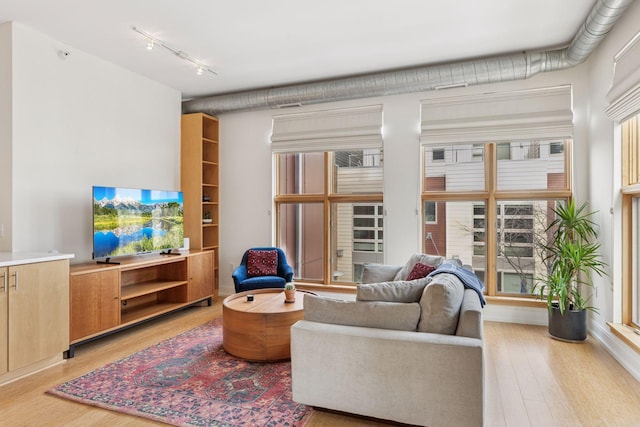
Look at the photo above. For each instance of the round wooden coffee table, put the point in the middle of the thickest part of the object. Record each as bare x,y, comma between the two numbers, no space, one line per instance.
260,329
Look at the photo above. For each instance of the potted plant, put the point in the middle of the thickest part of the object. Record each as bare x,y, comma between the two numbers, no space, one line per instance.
289,292
206,218
571,256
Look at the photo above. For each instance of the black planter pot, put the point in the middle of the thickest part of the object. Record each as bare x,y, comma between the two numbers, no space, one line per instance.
570,326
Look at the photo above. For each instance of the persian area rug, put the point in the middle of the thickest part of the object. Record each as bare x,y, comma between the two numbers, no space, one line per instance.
189,380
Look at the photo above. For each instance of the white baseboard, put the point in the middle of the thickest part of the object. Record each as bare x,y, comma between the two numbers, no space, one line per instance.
625,355
513,314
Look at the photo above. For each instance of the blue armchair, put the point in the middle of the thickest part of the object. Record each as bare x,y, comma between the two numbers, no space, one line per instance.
243,282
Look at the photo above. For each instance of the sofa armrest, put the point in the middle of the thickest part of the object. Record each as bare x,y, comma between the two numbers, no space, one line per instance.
470,319
239,274
287,273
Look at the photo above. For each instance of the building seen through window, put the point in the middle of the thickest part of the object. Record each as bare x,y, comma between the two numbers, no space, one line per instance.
459,222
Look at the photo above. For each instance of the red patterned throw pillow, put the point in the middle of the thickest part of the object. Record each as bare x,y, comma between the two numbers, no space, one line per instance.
419,271
262,263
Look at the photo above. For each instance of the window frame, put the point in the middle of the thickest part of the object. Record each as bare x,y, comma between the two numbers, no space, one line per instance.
630,132
491,195
328,198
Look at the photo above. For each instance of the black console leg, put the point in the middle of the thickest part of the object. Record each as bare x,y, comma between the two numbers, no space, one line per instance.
70,353
209,301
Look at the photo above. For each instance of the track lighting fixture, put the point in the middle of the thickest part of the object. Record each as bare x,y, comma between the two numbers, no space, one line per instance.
152,42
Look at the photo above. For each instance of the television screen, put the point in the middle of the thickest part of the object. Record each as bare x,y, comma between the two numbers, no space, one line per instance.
129,221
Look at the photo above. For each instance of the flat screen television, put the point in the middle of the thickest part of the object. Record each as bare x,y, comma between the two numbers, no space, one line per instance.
129,221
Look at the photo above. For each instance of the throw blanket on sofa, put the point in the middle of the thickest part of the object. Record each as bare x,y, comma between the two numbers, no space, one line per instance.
467,277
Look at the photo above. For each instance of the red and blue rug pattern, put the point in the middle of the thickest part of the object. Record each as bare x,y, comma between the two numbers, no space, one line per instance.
189,380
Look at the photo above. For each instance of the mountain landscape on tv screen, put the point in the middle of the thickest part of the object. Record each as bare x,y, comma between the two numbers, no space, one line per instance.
126,226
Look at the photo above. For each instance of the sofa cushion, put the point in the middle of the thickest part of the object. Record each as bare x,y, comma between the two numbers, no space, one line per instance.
440,303
431,260
371,314
375,273
262,263
398,291
419,271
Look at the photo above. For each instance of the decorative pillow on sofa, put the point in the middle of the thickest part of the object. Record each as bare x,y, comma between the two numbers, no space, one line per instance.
419,271
431,260
376,273
370,314
440,303
262,263
398,291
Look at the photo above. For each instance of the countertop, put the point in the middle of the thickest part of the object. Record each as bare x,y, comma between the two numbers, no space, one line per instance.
8,259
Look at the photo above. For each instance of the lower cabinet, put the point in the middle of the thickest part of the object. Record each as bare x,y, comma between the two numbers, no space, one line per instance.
34,315
201,280
94,300
105,298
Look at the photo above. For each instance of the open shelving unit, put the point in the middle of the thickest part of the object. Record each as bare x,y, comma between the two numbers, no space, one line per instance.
152,289
199,181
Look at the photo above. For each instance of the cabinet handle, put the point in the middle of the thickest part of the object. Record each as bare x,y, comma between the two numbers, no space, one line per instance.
4,281
15,280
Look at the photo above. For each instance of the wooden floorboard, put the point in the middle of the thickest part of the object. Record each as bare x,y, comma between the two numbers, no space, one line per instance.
530,380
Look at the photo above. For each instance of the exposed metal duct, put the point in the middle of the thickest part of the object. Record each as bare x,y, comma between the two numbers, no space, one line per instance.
603,16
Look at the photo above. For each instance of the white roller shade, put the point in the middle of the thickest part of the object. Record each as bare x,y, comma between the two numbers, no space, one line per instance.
328,130
624,96
508,116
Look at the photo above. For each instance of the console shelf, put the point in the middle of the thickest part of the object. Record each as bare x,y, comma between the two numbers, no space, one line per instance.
147,288
149,311
105,298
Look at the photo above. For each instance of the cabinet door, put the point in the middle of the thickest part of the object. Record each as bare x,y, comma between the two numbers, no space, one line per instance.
38,312
4,307
200,275
94,303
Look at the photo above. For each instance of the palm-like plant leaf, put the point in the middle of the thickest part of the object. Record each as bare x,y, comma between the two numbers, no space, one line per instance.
572,257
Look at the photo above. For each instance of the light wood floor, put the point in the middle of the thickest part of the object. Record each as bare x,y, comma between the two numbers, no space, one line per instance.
589,389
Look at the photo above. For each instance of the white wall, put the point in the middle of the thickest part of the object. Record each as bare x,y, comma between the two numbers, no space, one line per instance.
245,189
81,121
5,137
604,185
246,185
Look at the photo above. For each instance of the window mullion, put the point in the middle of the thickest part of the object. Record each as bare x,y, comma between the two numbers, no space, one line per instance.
328,218
490,219
627,259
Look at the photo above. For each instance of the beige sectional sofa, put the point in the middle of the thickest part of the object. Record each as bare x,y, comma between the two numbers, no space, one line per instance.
406,351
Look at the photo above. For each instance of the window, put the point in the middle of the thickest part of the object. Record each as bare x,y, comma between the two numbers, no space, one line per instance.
430,213
556,148
367,228
504,151
506,163
328,201
301,236
508,231
631,220
350,213
438,154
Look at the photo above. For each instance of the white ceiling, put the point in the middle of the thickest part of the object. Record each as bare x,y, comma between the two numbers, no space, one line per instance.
261,43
